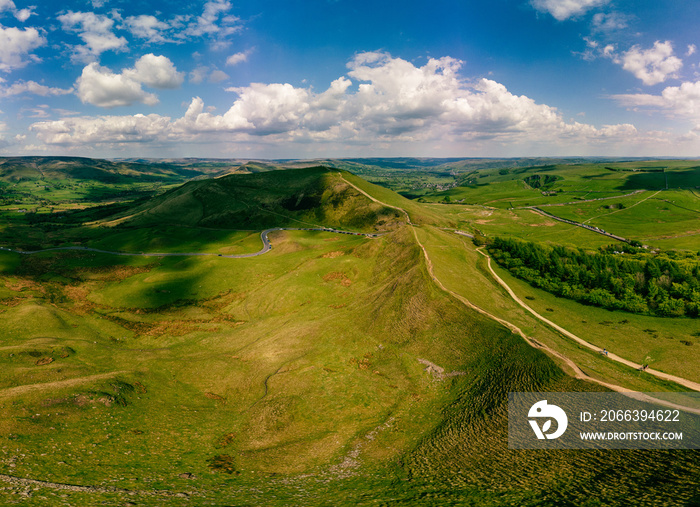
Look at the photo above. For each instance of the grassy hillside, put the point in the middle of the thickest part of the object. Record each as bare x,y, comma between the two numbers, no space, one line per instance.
330,371
45,185
315,196
17,169
291,378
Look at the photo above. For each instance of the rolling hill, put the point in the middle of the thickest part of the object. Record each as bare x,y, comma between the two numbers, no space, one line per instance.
17,169
333,370
316,196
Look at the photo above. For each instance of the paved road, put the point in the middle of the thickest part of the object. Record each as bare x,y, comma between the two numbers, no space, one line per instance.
577,224
585,224
263,236
617,196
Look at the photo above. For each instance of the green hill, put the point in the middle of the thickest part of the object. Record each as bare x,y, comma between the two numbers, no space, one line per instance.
315,196
17,169
332,370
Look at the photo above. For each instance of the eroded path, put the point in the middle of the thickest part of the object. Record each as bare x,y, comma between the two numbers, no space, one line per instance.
28,388
614,357
578,373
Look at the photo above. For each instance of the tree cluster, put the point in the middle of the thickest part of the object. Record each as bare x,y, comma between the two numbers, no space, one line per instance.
637,283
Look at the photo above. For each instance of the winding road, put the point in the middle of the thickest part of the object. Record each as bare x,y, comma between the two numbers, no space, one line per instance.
263,236
578,373
577,224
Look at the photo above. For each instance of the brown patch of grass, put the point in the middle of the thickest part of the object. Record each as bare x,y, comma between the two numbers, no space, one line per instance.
12,302
22,284
216,397
362,364
44,360
159,328
225,440
223,463
50,402
113,273
338,275
173,324
333,255
78,296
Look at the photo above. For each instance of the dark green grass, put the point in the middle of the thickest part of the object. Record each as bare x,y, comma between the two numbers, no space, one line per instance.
311,197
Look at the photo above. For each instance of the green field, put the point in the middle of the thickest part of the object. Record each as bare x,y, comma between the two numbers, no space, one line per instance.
332,370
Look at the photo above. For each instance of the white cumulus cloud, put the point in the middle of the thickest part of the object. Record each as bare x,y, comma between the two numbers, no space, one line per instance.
155,71
210,74
21,14
95,30
218,76
609,22
101,87
103,129
237,58
681,101
16,46
32,87
261,109
214,22
653,65
381,100
147,27
565,9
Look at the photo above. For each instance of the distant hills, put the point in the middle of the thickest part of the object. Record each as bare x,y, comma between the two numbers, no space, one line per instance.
19,169
29,181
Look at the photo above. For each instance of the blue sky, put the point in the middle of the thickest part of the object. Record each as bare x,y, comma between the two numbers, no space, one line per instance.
335,78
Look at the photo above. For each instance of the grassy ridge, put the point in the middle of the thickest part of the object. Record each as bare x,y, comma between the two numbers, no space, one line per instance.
311,196
303,366
18,169
291,378
296,378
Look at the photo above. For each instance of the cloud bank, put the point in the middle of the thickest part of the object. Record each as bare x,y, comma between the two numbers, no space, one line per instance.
381,98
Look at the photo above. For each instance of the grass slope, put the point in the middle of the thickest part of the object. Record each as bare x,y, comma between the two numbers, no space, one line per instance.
314,196
291,378
16,169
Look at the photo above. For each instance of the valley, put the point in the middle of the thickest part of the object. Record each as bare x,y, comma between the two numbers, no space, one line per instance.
365,358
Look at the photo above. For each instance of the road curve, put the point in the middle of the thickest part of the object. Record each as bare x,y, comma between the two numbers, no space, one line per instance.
263,236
